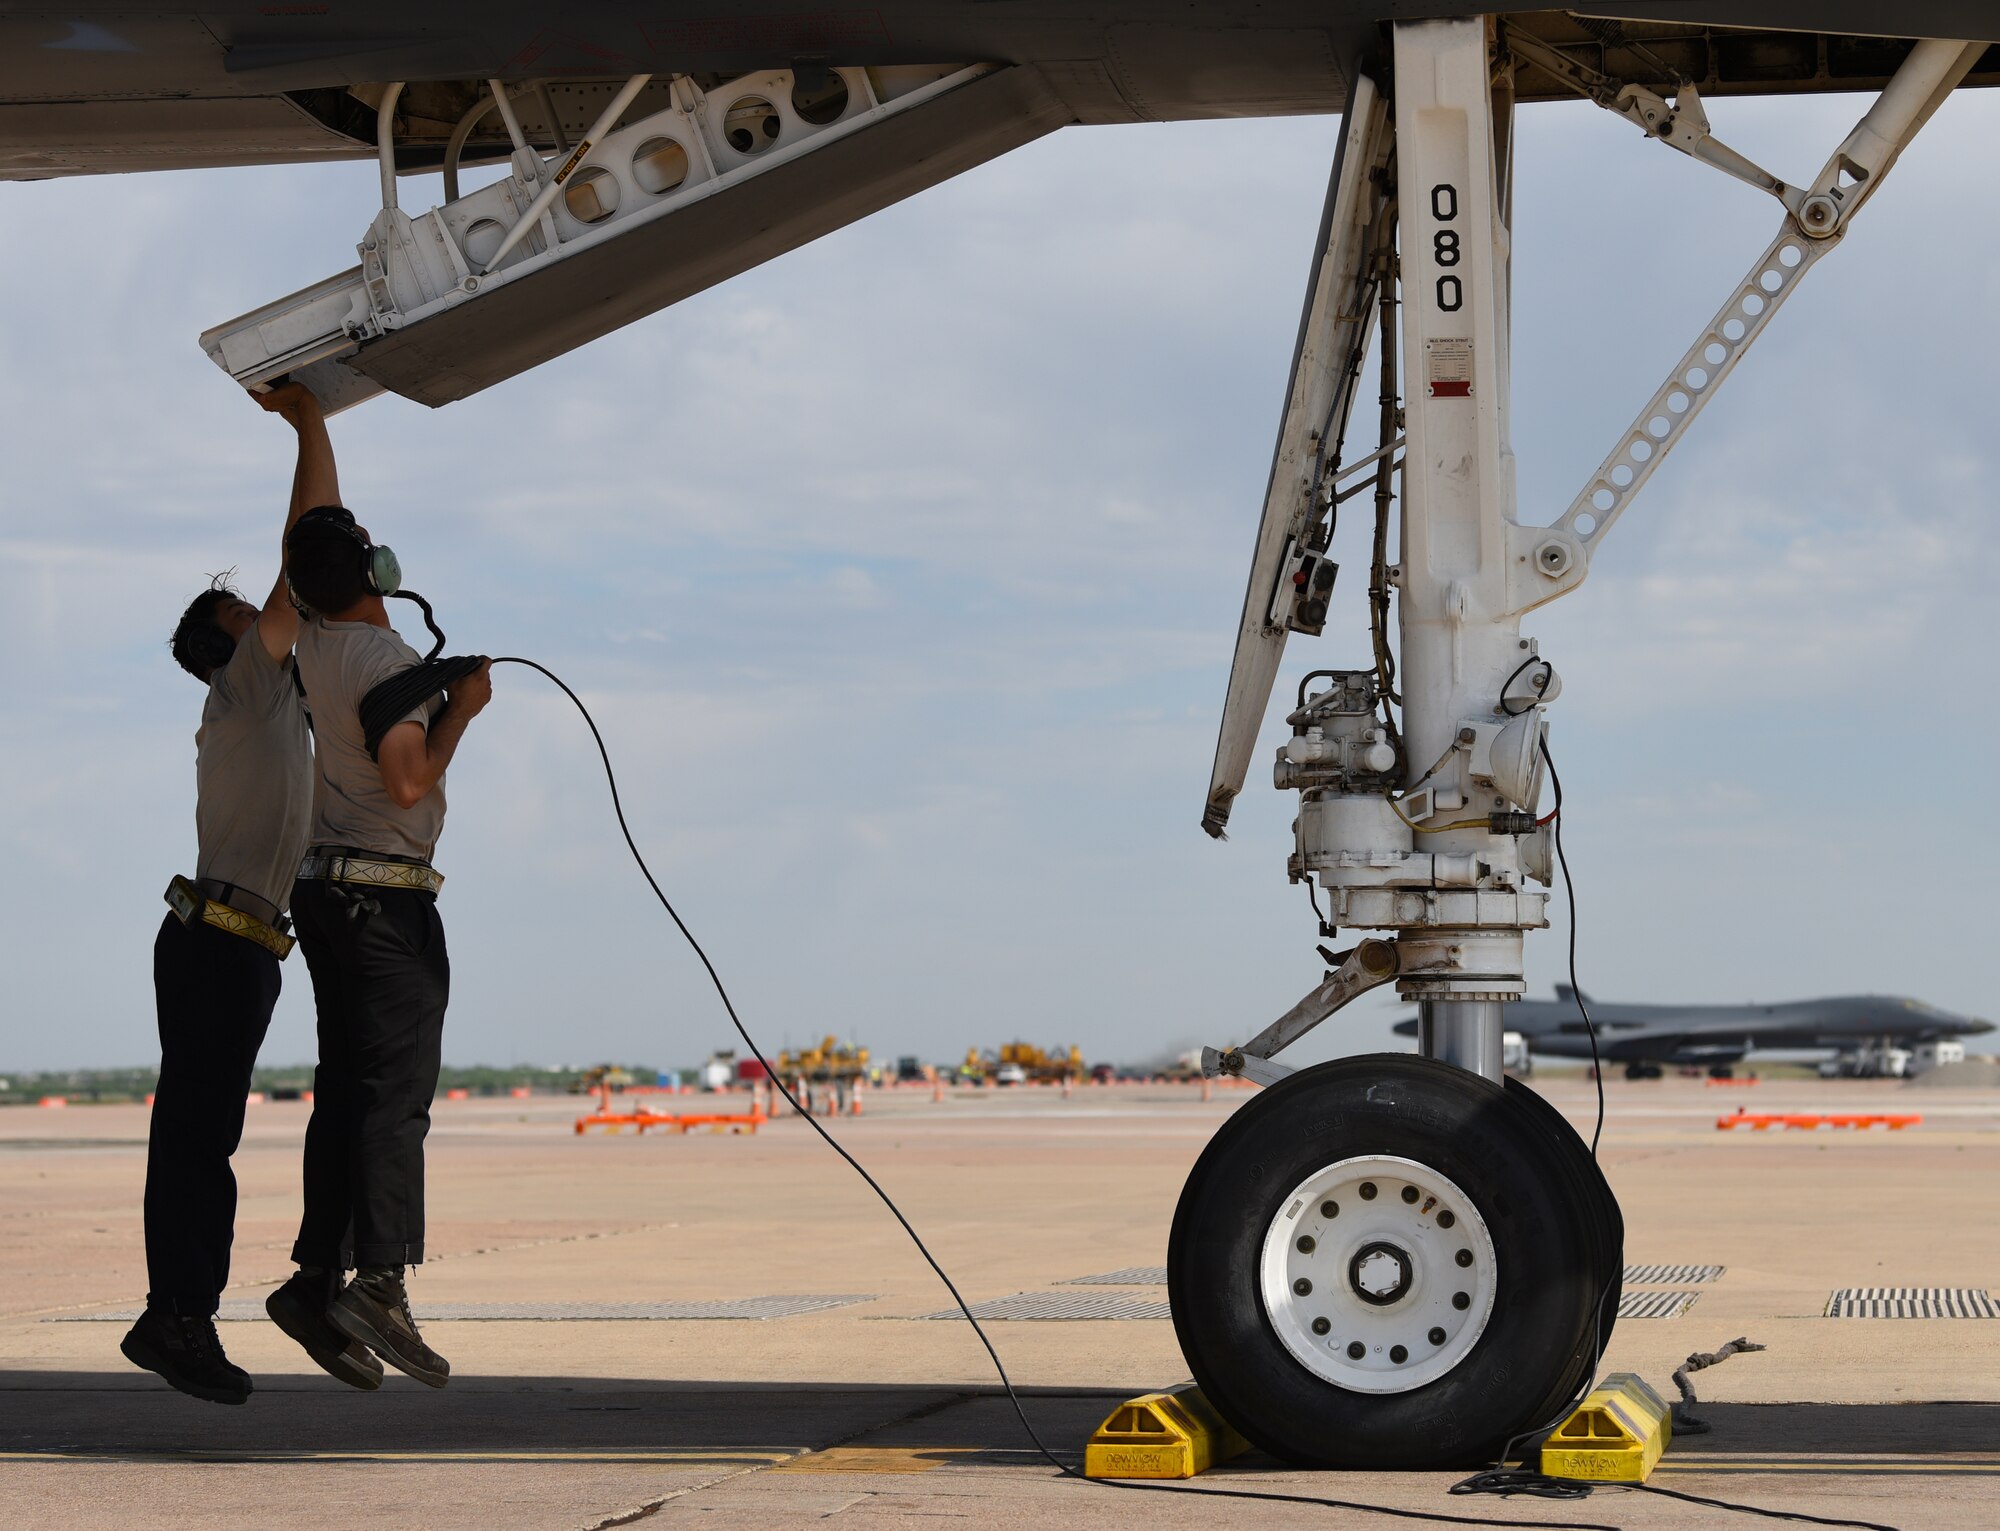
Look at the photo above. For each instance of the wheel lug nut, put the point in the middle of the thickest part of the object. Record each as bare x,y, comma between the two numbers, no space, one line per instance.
1461,1301
1398,1354
1463,1257
1437,1336
1320,1326
1410,1194
1306,1245
1302,1286
1367,1190
1446,1219
1356,1351
1329,1209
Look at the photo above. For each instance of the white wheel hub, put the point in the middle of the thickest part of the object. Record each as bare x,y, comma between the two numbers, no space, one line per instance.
1378,1274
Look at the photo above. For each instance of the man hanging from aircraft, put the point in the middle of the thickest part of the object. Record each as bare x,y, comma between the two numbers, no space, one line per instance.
216,960
366,906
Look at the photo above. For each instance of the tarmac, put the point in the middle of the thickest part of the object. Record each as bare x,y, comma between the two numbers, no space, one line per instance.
869,1415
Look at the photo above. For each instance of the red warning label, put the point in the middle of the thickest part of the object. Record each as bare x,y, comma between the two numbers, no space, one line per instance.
1448,367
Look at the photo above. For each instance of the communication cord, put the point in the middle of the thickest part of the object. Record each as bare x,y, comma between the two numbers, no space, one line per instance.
999,1368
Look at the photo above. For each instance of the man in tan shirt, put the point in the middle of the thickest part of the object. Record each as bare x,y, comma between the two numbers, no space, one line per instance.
366,903
215,961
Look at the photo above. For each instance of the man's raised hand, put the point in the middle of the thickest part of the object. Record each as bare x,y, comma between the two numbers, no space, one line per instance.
295,402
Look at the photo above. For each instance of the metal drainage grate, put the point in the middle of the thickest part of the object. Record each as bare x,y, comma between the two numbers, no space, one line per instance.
1132,1275
1061,1305
1911,1302
1656,1304
545,1312
1659,1275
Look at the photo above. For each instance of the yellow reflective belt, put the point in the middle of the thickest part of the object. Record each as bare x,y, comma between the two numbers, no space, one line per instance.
188,902
374,874
237,923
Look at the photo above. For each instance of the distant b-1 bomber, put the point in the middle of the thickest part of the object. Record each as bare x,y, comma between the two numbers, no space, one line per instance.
1649,1038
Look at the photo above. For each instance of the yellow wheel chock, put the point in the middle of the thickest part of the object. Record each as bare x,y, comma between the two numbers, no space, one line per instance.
1161,1435
1616,1435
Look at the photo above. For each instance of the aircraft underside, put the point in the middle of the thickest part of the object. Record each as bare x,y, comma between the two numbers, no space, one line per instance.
136,87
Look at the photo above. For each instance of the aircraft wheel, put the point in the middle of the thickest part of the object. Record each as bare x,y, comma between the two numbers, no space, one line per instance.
1389,1262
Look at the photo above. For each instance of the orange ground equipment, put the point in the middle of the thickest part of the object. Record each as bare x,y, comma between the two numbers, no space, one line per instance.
680,1122
1762,1121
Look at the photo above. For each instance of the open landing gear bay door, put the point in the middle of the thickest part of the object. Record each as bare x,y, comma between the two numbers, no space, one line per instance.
675,189
1289,576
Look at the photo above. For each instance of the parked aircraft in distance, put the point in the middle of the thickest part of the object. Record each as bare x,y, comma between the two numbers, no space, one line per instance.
1649,1038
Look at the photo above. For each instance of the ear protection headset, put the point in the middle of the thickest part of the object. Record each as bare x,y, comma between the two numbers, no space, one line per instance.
381,574
210,647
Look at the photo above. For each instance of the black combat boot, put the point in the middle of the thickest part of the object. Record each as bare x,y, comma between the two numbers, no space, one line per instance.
299,1307
186,1351
375,1310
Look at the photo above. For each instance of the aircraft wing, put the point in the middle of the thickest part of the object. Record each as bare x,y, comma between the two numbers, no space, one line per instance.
733,135
88,90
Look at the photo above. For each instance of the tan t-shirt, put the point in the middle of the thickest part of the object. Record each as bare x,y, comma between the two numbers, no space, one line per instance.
253,776
341,662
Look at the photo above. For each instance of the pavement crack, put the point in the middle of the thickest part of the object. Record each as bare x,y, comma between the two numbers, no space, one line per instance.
653,1507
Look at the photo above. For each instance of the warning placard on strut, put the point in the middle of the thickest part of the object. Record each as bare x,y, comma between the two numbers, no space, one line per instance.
1448,367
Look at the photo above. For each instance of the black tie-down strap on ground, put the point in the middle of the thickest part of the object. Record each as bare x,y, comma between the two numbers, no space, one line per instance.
407,690
1684,1422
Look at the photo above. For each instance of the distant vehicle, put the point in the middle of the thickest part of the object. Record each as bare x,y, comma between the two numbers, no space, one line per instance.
1023,1063
830,1061
1929,1055
1103,1073
909,1069
1886,1061
1863,1030
1515,1055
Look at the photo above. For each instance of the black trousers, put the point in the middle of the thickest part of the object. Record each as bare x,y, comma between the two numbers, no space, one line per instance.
380,982
215,993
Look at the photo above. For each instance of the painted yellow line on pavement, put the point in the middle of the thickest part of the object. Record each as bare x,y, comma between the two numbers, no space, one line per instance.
661,1456
1845,1466
874,1459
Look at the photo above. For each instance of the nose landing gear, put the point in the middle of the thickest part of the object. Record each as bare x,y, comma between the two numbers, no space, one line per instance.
1391,1262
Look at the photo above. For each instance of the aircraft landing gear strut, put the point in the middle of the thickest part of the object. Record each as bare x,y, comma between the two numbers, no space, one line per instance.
1395,1261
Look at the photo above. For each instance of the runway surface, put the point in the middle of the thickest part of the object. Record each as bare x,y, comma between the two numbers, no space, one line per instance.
587,1405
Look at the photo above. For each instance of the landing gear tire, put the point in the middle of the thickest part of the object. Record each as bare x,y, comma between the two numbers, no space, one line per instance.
1389,1262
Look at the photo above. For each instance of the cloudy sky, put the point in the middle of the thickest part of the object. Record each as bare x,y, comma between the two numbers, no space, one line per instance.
902,575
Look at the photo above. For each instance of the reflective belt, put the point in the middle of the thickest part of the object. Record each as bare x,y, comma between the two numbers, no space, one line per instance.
190,903
373,874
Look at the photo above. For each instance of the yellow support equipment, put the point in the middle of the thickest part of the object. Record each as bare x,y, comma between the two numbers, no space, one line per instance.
1161,1435
1616,1435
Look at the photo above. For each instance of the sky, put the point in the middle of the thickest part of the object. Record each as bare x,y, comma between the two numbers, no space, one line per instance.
902,575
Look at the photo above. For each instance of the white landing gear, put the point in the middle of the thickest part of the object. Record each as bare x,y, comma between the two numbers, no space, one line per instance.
1396,1261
